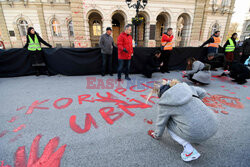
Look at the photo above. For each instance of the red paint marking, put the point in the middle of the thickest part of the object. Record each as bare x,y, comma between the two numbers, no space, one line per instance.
128,98
224,112
245,86
69,101
122,104
216,111
132,89
232,93
82,98
226,89
35,105
148,121
15,138
187,155
2,164
213,79
233,101
3,133
213,100
248,98
19,128
88,120
13,119
222,86
145,97
18,109
236,87
147,86
49,158
121,91
109,113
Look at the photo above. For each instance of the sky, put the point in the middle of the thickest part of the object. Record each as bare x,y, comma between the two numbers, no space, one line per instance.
240,12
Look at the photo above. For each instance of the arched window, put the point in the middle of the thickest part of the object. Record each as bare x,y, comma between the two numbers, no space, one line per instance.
215,27
96,28
71,29
248,28
23,27
55,28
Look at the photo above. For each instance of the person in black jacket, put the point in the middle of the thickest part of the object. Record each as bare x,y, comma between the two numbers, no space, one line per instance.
153,64
35,51
239,72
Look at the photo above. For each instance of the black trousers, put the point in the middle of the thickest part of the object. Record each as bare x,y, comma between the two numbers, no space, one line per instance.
106,61
165,57
38,62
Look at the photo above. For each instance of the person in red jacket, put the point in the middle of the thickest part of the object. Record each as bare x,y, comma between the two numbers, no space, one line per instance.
166,47
125,51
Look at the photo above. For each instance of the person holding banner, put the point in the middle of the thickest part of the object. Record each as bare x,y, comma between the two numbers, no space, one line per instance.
35,51
166,48
229,48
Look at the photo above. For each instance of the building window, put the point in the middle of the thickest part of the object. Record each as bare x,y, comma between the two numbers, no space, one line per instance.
215,27
97,28
23,27
55,28
248,28
71,29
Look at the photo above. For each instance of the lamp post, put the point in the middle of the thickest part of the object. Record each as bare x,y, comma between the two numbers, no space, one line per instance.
136,20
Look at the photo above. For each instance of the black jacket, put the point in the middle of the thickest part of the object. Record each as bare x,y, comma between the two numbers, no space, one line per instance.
39,39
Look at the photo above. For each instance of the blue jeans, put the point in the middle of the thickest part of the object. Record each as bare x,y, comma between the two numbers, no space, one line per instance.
123,64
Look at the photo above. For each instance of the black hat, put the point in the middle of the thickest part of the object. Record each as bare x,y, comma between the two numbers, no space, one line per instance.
108,28
163,88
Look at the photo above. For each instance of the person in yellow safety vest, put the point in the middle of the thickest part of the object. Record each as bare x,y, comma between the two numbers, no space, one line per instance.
33,45
229,48
213,46
166,48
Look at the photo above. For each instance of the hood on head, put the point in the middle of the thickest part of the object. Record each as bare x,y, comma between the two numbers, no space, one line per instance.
177,95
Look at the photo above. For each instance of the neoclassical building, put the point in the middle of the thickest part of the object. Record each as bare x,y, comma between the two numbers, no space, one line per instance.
79,23
246,28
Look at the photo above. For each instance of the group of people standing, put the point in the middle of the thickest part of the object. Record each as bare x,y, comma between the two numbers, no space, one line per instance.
199,70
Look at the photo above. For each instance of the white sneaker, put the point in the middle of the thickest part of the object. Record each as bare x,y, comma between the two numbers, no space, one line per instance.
190,156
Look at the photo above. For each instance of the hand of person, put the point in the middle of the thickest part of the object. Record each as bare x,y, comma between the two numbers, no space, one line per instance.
152,134
132,54
240,53
161,64
50,46
125,50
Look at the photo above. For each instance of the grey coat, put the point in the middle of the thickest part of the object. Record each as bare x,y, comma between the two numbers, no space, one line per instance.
106,44
197,74
187,116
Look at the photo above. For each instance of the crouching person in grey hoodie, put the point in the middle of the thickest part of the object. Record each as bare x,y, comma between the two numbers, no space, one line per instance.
186,117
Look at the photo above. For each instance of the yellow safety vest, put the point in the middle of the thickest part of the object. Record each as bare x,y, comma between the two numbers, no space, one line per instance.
33,46
230,47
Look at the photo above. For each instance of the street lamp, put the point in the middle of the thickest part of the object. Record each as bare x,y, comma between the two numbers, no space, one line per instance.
136,20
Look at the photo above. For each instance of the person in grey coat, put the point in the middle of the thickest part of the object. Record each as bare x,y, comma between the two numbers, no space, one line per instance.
199,72
106,44
186,117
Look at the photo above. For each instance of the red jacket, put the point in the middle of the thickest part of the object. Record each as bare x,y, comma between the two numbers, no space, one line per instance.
166,38
125,41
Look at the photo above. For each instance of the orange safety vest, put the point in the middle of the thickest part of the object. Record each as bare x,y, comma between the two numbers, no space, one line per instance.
216,42
166,45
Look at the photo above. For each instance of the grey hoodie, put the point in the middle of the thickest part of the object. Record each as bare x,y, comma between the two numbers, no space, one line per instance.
187,116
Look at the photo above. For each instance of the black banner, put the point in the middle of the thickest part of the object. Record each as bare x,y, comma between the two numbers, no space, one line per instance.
87,61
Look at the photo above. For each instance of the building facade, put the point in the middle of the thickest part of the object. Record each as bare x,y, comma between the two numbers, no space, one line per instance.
245,33
79,23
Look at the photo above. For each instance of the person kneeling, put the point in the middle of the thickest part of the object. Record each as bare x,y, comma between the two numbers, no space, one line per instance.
200,72
187,118
239,72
